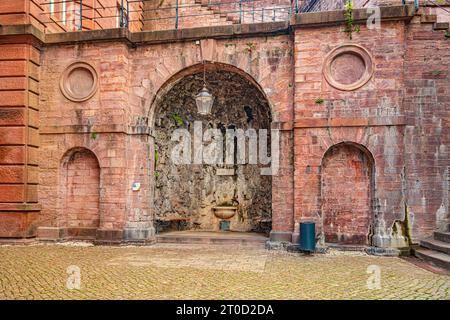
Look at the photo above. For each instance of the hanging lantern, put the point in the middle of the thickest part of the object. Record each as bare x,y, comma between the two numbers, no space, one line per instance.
204,101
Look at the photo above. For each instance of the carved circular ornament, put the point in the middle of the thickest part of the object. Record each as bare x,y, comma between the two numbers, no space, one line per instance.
79,82
348,67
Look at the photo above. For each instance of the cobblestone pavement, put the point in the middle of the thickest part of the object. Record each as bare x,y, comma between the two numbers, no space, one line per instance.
167,271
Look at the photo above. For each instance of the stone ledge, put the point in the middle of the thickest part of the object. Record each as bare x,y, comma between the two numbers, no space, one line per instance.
327,18
84,129
215,32
302,20
276,245
164,36
295,248
387,252
376,251
116,34
280,236
20,207
350,122
22,29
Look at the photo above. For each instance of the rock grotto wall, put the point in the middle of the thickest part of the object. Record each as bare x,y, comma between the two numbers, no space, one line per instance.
192,190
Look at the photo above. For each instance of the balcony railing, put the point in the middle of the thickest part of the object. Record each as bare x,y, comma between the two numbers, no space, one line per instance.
138,15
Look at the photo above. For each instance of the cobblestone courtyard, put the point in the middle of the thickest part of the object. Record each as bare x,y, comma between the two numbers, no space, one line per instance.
167,271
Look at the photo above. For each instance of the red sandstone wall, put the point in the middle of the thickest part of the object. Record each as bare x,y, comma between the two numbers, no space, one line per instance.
347,215
410,100
119,111
269,63
99,125
344,117
81,181
19,122
427,139
401,116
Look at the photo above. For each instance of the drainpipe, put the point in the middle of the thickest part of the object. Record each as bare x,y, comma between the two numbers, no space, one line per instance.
81,16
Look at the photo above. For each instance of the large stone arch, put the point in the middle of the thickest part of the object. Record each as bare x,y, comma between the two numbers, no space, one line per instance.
347,217
209,66
191,191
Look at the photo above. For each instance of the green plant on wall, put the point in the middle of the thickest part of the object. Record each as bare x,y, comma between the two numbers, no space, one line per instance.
446,35
156,158
250,47
94,134
349,23
178,119
319,101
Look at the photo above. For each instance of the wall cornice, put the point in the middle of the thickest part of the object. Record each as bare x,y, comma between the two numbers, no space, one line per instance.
302,20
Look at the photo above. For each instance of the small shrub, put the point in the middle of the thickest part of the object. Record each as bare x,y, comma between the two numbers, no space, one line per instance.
319,101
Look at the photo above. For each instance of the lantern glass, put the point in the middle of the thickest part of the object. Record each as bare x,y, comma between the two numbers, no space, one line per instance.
204,101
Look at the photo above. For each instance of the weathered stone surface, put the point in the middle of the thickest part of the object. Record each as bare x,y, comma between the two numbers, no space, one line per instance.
192,190
401,116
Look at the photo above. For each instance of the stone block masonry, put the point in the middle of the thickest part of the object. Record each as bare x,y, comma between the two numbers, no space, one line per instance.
364,125
19,124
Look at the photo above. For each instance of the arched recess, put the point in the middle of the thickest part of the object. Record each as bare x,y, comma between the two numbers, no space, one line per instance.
198,69
80,185
189,192
347,188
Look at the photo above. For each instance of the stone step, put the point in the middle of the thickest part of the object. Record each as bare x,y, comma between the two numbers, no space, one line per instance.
442,236
174,237
436,245
437,258
441,26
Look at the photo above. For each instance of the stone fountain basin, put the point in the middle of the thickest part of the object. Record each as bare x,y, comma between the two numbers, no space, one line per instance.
224,212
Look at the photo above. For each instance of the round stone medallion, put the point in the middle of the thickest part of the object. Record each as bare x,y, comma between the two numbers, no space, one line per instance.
79,82
348,67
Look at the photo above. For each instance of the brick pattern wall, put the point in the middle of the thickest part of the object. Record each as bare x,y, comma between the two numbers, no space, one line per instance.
411,155
401,116
122,110
19,122
99,125
346,195
427,104
341,116
81,179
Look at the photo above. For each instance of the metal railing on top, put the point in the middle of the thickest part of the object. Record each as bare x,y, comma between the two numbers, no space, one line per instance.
416,4
137,15
71,15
